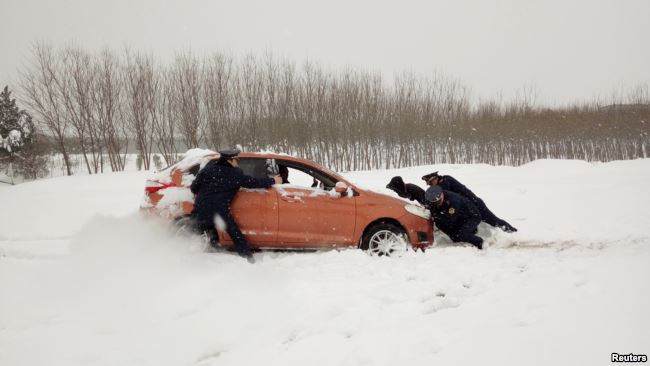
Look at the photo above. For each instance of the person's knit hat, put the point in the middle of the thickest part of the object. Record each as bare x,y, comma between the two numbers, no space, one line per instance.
396,184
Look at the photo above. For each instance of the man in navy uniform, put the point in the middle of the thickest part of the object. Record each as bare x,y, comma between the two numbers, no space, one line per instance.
448,183
454,215
215,186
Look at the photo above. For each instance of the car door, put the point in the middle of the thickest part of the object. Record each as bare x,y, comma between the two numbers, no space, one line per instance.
255,210
311,213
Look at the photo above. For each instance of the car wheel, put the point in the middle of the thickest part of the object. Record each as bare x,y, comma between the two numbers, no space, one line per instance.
184,226
385,239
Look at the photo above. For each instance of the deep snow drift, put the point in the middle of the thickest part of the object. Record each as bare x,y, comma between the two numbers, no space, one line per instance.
84,280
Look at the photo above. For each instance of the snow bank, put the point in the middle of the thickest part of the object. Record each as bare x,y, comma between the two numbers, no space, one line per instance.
551,200
59,207
86,280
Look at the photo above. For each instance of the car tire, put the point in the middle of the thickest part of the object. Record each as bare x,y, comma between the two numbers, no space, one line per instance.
184,225
384,239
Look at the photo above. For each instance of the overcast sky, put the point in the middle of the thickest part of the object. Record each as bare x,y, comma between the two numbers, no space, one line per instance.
568,50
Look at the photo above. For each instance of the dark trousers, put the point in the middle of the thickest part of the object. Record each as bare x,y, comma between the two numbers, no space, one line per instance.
486,215
204,225
466,232
241,245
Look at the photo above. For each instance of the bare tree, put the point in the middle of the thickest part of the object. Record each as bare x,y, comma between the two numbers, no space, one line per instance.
141,84
218,85
75,86
38,83
166,125
186,76
346,119
107,98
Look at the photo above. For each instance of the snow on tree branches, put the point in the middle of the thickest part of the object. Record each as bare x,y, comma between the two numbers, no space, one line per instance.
16,126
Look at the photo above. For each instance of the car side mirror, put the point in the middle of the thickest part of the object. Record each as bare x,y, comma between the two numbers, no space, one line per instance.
341,188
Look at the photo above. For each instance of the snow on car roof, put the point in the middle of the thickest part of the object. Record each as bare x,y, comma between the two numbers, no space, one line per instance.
190,158
202,156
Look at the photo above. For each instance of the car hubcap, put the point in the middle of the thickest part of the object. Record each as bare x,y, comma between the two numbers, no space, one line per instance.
386,242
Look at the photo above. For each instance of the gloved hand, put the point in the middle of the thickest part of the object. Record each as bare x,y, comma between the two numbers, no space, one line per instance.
507,228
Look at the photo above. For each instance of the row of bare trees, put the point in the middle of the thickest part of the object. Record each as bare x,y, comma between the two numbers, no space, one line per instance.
347,120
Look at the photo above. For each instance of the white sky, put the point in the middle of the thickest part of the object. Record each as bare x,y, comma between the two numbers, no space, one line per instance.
569,50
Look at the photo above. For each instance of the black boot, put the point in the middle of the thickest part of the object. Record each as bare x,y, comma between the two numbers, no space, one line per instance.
248,255
213,238
503,225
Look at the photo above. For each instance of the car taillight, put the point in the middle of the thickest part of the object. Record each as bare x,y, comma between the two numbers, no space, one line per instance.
156,189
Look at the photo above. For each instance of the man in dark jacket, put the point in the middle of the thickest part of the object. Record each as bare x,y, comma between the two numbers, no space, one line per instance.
408,190
448,183
215,186
454,215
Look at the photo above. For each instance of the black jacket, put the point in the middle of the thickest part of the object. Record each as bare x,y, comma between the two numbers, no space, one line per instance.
408,190
449,183
217,184
414,193
454,212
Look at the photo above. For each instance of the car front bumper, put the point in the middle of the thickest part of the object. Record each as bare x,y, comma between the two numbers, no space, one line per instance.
418,230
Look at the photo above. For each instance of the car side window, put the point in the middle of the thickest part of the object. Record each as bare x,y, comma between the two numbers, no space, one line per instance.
305,176
298,178
194,169
253,167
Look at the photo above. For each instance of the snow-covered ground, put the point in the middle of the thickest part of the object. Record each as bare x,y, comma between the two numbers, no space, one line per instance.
84,280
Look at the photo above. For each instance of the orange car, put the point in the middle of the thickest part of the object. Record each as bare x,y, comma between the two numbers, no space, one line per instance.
314,208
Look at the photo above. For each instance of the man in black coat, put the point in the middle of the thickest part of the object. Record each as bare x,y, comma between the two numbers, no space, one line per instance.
408,190
454,215
448,183
215,186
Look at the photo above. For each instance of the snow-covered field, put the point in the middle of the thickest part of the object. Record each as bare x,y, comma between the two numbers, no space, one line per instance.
84,280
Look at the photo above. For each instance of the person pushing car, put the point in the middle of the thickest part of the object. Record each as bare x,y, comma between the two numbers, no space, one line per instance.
454,215
406,190
448,183
215,187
